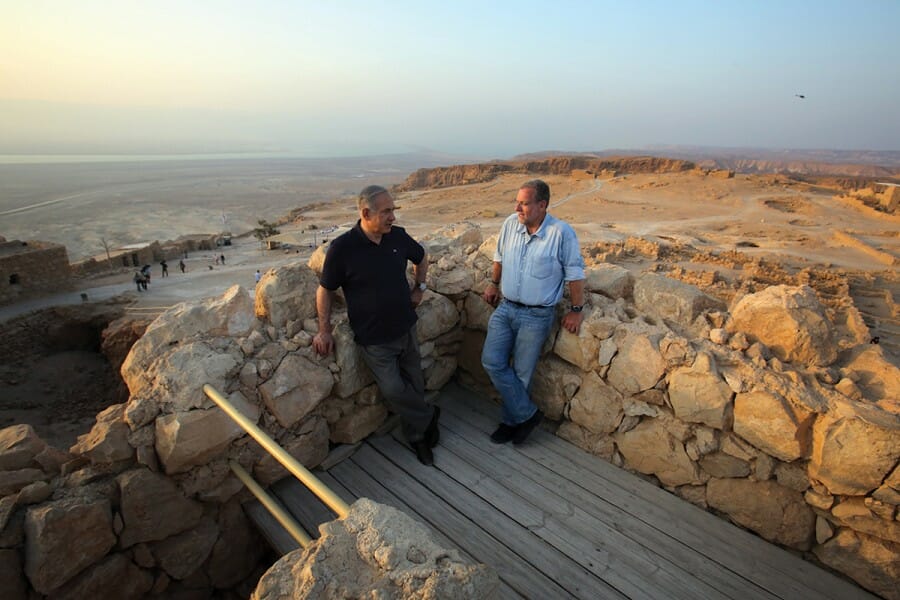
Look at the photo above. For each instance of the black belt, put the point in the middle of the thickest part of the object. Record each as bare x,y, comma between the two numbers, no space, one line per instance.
524,305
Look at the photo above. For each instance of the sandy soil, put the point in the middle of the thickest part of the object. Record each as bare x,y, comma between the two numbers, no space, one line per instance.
716,224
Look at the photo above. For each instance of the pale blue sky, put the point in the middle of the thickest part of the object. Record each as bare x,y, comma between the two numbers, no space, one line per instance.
476,78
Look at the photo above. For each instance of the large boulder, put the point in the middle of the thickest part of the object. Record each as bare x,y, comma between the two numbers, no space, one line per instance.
651,449
671,299
354,373
596,406
699,394
19,445
153,508
295,389
773,424
553,384
437,315
868,560
287,294
790,321
852,452
113,577
107,441
376,551
775,512
612,281
64,537
638,364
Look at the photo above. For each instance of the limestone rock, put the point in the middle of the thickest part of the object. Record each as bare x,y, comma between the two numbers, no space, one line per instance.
724,466
612,281
19,445
107,442
153,508
790,321
375,552
454,282
824,530
598,444
119,336
877,377
188,439
229,316
182,554
773,424
355,374
868,560
358,424
597,406
309,446
285,294
851,455
672,299
13,481
553,384
316,260
295,389
113,577
437,315
638,365
649,448
699,394
776,513
439,373
853,513
54,530
581,349
478,312
889,492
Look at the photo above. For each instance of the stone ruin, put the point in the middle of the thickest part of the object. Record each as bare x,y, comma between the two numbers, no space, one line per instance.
763,414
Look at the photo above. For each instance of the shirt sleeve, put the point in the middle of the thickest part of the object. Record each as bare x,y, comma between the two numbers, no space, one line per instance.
332,271
415,252
501,239
573,262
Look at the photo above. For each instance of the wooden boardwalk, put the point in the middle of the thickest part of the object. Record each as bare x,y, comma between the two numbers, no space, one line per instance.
556,522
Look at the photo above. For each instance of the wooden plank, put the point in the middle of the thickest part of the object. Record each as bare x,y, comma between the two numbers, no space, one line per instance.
598,548
484,533
766,564
306,507
270,529
582,511
337,454
363,485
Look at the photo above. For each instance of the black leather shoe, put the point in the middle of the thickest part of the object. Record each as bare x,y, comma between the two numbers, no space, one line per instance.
433,434
523,430
503,434
423,453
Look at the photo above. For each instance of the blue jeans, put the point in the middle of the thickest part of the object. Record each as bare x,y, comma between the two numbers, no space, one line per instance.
518,332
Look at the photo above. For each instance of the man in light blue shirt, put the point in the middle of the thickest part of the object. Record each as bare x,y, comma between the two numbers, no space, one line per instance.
535,254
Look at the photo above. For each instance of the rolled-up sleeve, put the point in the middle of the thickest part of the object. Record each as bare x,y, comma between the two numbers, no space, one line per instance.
573,262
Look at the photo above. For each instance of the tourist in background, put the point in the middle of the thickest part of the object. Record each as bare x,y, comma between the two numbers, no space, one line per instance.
535,254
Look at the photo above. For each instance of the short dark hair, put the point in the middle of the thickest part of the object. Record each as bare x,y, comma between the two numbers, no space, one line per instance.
368,195
541,190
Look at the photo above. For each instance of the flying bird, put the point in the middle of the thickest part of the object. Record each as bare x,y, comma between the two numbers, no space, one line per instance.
801,96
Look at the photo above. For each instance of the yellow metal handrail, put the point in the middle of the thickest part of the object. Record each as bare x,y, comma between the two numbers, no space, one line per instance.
290,463
281,515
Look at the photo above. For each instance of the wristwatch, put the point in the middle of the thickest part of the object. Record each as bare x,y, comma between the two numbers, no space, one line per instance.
422,286
577,307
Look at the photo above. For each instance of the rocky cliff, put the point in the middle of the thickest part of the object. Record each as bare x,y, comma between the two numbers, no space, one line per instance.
558,165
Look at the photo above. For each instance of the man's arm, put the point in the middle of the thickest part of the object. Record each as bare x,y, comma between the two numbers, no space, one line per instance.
323,342
572,319
491,293
420,270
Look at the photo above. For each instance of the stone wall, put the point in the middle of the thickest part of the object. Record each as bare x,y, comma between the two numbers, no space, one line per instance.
32,268
729,410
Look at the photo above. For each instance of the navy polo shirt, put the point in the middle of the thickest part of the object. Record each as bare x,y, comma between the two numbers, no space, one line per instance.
373,277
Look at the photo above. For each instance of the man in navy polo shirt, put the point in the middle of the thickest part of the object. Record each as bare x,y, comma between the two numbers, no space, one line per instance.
369,264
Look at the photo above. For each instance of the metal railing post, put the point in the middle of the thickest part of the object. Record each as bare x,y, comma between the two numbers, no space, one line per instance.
290,463
271,505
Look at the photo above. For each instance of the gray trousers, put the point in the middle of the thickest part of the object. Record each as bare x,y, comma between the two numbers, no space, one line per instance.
397,368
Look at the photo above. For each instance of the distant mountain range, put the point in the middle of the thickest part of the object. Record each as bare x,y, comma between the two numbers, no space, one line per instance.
853,163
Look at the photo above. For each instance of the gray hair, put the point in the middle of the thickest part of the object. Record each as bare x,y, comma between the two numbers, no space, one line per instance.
368,194
541,190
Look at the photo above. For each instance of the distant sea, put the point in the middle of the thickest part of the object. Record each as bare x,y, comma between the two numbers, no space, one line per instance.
36,159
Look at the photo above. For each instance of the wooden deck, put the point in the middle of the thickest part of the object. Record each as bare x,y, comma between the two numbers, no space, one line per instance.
556,522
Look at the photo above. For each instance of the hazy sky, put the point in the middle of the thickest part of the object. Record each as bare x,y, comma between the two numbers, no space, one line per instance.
479,78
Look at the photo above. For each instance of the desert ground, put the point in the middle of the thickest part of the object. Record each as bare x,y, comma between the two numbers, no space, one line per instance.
702,229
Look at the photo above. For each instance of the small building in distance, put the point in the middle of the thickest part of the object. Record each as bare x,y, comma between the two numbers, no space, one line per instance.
32,268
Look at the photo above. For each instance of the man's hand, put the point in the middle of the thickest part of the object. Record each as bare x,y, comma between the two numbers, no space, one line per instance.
572,321
323,342
491,294
415,296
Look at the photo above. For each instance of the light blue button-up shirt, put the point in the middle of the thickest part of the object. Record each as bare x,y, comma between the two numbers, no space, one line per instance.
536,265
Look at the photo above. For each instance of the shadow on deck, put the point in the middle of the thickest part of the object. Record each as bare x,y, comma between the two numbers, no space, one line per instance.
556,522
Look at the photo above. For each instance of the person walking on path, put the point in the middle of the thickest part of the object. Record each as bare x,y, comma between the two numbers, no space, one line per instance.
181,265
257,276
165,268
369,263
222,259
536,253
